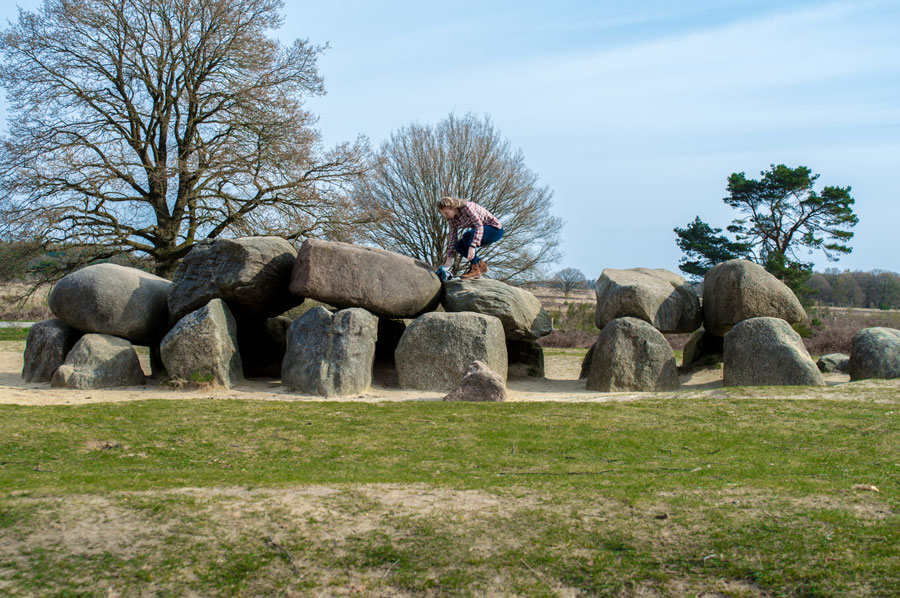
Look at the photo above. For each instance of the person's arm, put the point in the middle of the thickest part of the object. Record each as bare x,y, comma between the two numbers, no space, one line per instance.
451,245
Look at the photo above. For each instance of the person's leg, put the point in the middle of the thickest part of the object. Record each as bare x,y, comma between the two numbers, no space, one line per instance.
490,235
464,242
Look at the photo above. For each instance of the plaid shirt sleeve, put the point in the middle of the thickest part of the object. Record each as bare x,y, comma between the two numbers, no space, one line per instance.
473,216
451,238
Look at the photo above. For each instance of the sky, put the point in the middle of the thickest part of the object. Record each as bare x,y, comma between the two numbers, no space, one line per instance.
633,114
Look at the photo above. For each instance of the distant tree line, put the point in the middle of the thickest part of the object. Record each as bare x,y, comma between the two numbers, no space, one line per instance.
878,289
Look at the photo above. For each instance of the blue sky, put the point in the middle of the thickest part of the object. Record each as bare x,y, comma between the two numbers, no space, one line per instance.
634,114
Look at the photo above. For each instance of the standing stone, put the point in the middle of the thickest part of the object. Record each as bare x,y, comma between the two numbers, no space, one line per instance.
251,274
46,348
738,290
586,362
875,353
659,297
703,347
520,312
99,361
387,284
330,354
834,362
525,358
632,355
767,352
479,384
262,344
202,347
114,300
437,348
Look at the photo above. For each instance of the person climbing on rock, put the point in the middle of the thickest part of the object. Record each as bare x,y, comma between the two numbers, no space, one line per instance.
479,229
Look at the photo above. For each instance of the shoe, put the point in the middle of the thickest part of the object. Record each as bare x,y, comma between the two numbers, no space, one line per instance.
475,270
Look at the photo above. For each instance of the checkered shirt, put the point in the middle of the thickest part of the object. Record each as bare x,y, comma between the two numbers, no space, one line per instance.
470,215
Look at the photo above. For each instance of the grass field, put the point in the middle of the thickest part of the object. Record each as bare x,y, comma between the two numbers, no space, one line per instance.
730,497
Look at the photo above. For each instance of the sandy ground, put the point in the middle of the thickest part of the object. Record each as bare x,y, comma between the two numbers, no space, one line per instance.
560,384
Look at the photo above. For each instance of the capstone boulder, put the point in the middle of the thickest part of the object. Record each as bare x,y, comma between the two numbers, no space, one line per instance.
738,290
113,300
330,354
767,352
387,284
202,347
479,384
251,274
46,348
99,361
437,348
659,297
875,353
520,312
631,355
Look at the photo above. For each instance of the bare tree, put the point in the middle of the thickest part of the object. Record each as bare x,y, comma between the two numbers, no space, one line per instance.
569,279
461,157
144,126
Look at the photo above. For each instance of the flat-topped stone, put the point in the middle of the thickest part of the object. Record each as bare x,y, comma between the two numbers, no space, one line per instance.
382,282
659,297
520,312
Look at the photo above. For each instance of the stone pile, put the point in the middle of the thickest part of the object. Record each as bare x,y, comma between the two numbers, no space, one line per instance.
230,312
745,316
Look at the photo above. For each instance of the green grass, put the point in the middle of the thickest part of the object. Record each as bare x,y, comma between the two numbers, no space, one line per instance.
743,497
14,334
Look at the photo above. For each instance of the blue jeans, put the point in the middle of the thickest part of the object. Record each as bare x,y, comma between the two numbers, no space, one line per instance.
490,235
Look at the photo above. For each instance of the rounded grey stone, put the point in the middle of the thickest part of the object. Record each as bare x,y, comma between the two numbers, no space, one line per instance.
437,348
631,355
875,353
114,300
767,352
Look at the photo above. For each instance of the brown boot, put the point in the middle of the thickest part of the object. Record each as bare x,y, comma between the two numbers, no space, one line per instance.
475,270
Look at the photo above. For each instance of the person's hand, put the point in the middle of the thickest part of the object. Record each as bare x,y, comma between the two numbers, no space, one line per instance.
471,255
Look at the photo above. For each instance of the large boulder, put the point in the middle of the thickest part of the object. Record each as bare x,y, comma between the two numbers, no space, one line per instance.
525,359
738,290
438,347
262,344
202,347
659,297
479,385
250,274
99,361
703,348
631,355
114,300
387,284
46,348
330,354
834,363
520,312
767,352
875,353
587,361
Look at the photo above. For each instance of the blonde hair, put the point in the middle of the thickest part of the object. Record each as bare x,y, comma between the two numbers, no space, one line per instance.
450,202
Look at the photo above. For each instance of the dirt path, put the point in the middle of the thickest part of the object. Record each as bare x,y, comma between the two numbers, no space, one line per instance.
560,384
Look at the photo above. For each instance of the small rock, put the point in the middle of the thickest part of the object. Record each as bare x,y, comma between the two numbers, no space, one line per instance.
479,384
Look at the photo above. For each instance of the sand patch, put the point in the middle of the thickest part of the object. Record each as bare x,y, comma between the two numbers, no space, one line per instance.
561,384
